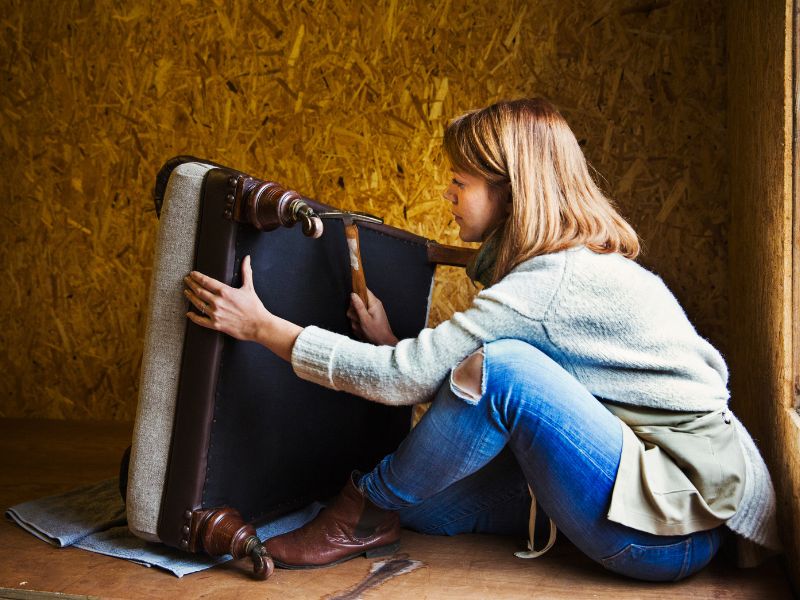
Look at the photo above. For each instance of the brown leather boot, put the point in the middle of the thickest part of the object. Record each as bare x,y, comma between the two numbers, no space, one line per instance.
350,526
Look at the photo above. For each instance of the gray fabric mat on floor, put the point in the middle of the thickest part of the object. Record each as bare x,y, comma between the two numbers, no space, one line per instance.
92,517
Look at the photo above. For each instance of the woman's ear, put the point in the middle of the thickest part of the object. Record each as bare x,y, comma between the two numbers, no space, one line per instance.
500,192
508,197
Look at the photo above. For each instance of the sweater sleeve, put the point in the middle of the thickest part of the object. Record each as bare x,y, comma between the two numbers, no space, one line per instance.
412,371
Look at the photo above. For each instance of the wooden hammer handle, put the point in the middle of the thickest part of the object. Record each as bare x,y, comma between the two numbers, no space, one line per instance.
356,268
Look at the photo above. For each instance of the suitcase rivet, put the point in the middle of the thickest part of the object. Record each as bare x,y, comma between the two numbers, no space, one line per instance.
229,197
232,181
187,515
185,530
184,544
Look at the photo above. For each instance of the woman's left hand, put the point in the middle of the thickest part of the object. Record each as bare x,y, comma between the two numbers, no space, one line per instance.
237,312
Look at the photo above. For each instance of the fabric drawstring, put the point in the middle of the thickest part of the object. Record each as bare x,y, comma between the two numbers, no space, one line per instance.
531,552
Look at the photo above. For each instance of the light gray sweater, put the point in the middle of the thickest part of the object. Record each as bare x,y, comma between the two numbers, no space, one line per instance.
605,319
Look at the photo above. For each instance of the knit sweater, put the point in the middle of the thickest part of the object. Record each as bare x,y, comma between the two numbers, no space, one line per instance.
606,320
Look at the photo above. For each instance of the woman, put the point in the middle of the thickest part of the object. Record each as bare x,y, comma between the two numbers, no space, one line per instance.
575,376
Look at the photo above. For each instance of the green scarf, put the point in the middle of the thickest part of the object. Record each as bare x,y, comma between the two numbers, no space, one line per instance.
481,267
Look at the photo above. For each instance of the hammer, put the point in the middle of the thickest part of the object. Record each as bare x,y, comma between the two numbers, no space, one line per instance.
267,205
351,233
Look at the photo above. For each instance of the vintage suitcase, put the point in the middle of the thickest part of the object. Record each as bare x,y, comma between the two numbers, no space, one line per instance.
226,434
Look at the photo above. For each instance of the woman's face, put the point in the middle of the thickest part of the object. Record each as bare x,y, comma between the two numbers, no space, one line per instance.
476,207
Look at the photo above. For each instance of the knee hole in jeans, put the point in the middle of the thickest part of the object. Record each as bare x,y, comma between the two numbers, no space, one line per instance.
466,379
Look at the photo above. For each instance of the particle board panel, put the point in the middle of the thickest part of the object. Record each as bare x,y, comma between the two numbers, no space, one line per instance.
344,102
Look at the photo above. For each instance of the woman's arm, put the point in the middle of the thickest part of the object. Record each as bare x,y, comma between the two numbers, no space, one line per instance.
239,312
413,370
407,373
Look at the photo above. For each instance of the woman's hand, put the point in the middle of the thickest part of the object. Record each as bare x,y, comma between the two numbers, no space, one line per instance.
237,312
370,324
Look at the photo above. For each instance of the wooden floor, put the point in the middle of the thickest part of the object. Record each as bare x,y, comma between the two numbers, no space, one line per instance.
39,458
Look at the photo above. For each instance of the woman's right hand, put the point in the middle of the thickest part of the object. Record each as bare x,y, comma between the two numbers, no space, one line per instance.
370,324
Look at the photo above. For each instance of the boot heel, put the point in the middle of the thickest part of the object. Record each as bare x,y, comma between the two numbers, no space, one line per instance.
382,551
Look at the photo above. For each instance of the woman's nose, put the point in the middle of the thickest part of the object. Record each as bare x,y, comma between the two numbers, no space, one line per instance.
447,195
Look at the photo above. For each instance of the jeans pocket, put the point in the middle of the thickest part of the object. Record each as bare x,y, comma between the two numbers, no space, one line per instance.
652,563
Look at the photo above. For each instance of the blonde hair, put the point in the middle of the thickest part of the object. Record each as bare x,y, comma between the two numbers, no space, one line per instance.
526,149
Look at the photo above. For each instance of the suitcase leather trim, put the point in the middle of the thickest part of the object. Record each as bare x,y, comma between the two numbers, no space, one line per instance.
183,485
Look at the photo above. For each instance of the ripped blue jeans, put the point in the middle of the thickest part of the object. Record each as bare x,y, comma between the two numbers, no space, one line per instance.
467,465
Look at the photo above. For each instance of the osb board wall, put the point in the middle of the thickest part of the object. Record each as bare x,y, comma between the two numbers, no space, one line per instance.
760,124
343,102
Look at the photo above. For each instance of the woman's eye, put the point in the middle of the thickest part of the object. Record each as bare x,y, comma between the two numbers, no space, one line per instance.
458,184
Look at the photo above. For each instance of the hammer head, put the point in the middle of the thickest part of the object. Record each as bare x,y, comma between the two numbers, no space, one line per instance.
349,218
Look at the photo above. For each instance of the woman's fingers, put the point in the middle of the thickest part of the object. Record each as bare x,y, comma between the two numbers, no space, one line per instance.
355,321
198,290
200,304
357,329
237,312
209,283
375,305
247,272
358,305
200,320
352,311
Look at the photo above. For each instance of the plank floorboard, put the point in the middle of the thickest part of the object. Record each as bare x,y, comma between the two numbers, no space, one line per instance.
41,457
